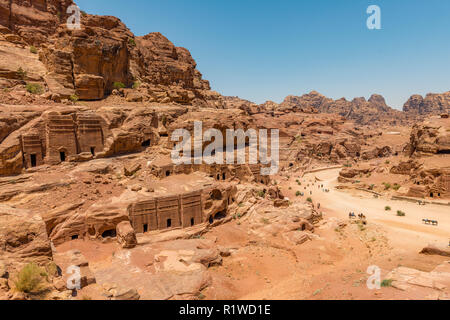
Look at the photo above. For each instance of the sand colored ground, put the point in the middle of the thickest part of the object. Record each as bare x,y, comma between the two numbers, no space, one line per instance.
404,232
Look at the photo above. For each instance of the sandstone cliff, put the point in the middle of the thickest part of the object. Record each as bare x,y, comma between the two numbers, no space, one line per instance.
432,104
360,110
92,62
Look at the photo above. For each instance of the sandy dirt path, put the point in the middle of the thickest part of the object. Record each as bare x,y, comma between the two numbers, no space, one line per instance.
407,232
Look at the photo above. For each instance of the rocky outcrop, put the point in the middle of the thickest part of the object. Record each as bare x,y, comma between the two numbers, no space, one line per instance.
432,285
100,57
351,173
377,152
173,270
432,104
33,20
360,110
430,137
405,167
23,238
432,250
126,236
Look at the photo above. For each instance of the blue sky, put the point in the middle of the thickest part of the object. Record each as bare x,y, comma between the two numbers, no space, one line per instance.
265,50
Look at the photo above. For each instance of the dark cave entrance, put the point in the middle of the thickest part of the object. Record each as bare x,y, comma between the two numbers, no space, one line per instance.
109,234
33,160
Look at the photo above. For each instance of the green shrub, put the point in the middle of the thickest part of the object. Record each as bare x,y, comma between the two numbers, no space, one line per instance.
371,187
387,283
348,165
136,85
30,279
309,200
396,187
261,194
400,214
387,208
132,42
33,50
298,194
387,186
34,88
118,85
74,98
22,74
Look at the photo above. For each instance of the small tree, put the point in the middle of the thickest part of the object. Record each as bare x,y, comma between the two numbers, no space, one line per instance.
387,208
22,74
33,50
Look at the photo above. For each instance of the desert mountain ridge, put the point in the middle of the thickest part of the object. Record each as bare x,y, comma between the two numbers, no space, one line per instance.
88,64
87,179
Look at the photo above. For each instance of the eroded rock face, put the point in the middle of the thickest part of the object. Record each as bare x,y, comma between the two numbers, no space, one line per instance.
38,140
23,238
405,167
350,173
33,21
102,56
126,235
360,110
432,250
430,137
433,285
432,104
167,270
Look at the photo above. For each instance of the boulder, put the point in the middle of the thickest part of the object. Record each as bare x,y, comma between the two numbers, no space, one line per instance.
126,235
89,87
23,238
432,250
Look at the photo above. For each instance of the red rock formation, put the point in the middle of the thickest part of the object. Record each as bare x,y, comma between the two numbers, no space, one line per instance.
432,104
102,56
359,110
430,137
33,20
